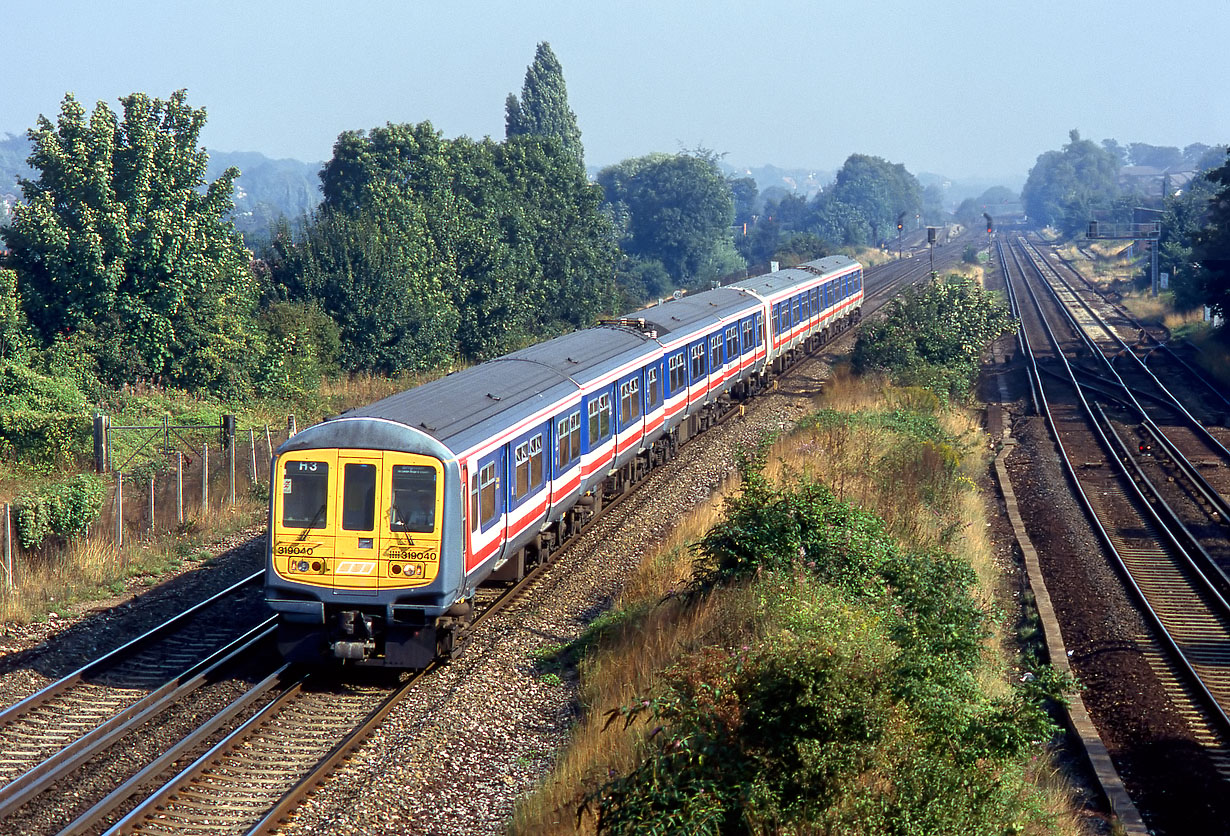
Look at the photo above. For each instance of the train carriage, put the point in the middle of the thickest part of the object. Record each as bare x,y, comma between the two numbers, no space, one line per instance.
384,520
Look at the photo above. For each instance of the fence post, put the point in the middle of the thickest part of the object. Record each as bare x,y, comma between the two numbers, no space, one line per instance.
119,509
8,547
179,487
100,443
230,461
252,444
204,479
151,504
290,426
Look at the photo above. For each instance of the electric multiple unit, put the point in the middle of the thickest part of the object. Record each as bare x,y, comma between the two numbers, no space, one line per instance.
385,520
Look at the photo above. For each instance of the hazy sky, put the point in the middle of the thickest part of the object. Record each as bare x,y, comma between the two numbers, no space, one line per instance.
957,88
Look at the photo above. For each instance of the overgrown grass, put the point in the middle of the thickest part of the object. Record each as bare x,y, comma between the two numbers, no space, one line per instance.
890,452
65,575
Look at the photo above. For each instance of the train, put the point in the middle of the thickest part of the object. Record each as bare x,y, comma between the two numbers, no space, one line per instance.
385,520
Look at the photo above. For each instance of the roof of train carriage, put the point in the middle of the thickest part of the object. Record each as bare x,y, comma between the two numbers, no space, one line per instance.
466,407
695,313
772,283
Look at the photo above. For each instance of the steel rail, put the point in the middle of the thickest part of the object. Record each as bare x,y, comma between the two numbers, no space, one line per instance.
20,709
1175,651
52,769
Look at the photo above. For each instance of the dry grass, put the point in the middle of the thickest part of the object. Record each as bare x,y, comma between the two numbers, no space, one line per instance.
658,629
1146,307
68,577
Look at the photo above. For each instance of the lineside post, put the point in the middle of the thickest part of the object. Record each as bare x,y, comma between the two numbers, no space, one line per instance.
8,547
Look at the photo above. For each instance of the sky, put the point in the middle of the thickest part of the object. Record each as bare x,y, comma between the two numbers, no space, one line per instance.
963,89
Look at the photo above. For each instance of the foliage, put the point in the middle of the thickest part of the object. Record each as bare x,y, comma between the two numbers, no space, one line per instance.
66,509
676,209
933,336
1212,249
858,711
1065,187
44,421
303,346
426,249
1183,219
14,330
120,240
542,110
865,200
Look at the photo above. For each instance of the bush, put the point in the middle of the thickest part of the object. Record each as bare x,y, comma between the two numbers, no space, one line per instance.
934,336
44,421
64,510
858,710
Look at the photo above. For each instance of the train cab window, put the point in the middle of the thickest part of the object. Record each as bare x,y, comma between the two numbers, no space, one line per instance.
653,389
568,432
629,400
414,499
599,418
305,494
678,372
528,466
358,497
715,353
732,343
698,362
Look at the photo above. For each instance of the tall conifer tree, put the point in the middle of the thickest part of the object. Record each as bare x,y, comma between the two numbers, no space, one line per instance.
543,107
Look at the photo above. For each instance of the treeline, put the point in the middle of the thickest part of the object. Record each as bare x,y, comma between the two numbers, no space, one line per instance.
424,251
1080,182
124,264
862,208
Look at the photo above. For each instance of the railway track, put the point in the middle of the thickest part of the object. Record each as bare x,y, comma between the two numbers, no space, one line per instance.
1146,512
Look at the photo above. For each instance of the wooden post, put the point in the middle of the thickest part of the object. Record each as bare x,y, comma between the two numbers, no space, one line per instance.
8,547
151,504
252,443
230,466
269,446
179,487
204,479
119,509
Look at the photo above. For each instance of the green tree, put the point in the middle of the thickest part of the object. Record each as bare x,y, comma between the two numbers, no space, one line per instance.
865,200
1065,187
543,109
1212,246
676,209
122,243
14,331
450,248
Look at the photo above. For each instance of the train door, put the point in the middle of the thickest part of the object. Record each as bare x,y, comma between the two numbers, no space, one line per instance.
356,545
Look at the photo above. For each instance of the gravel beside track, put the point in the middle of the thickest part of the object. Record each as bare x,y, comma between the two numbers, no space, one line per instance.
476,735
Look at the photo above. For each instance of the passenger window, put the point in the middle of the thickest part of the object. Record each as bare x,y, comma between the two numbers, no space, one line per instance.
359,497
654,390
414,499
305,494
486,492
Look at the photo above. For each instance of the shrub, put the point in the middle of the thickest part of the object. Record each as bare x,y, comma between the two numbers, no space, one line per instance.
63,510
44,421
